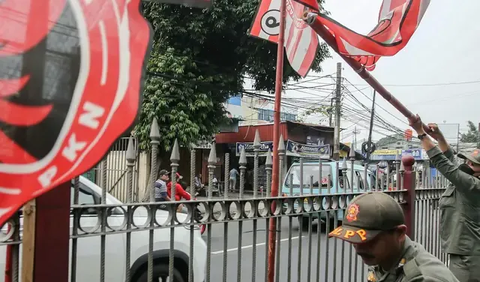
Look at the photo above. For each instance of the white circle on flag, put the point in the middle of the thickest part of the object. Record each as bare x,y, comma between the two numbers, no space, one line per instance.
270,22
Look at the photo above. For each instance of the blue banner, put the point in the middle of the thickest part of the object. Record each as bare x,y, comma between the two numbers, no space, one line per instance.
305,150
415,153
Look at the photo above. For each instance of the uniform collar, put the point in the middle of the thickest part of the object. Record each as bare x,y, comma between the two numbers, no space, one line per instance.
408,252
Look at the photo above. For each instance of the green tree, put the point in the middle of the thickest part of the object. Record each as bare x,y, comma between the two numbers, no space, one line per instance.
472,135
199,58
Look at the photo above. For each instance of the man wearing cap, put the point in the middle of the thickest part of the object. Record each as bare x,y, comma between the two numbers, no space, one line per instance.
459,204
161,186
374,223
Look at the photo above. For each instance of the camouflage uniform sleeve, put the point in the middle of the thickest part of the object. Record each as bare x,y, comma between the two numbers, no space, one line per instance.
450,155
424,278
459,179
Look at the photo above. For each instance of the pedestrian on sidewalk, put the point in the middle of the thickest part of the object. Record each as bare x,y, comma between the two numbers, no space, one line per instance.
459,204
375,224
232,186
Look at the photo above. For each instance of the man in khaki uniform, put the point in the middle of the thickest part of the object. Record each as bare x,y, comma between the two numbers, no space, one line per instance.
459,205
374,223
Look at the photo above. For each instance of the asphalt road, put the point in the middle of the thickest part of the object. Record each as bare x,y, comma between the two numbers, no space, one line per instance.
332,267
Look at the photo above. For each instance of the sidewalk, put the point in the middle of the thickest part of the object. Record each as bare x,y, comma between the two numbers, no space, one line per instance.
235,195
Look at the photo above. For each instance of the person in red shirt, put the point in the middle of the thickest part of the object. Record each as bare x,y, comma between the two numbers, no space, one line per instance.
179,193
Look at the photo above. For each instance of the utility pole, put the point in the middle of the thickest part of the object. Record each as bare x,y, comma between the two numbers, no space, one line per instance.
369,142
355,132
338,97
330,113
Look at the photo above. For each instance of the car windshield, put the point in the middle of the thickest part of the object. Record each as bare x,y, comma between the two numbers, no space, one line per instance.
308,172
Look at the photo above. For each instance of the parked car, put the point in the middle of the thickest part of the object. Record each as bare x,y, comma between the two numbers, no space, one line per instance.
88,250
311,171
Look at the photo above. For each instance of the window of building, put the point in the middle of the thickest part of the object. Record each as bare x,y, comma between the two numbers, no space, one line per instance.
267,115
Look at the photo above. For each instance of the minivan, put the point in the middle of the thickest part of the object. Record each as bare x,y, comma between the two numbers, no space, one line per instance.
311,180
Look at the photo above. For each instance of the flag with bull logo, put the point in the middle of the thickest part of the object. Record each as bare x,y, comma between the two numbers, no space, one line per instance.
397,22
71,74
301,41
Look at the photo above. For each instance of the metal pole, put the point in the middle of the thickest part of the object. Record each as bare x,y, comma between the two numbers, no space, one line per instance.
276,137
478,137
312,20
338,97
371,126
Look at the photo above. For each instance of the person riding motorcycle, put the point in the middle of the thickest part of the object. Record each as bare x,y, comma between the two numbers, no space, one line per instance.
180,193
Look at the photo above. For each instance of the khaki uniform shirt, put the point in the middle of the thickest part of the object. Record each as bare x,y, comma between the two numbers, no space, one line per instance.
459,207
416,265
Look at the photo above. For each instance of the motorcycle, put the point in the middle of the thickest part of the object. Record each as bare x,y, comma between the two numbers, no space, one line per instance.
197,217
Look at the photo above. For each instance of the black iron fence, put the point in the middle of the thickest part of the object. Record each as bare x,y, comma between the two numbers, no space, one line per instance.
227,238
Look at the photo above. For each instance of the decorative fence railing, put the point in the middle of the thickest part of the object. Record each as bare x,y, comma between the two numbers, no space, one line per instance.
128,241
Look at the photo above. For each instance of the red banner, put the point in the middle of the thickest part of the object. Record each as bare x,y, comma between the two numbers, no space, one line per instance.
301,41
397,22
70,84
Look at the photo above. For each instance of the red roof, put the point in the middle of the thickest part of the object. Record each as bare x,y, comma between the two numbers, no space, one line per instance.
247,133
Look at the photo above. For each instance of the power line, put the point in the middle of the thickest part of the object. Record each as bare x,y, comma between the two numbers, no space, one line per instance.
376,104
430,85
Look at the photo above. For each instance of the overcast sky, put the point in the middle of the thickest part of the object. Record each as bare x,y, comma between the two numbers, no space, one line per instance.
444,50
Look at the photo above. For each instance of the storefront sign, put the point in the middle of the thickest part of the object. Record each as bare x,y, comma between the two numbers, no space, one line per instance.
385,155
311,151
250,150
417,154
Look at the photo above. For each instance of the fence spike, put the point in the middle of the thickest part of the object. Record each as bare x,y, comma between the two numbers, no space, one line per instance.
154,130
281,144
175,157
212,157
257,141
130,154
344,164
269,161
243,158
351,154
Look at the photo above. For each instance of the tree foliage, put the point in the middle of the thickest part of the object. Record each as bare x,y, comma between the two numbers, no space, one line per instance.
472,135
199,58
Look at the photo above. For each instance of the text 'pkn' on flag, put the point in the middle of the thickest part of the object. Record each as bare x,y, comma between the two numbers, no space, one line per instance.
301,41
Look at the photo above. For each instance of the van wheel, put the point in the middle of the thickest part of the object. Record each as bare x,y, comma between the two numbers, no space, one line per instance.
160,274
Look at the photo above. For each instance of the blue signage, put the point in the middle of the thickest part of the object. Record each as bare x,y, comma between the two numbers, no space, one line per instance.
415,153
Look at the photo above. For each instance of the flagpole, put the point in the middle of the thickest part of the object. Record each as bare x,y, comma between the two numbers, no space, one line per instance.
276,139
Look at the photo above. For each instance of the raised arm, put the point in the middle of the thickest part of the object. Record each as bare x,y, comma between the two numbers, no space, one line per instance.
462,181
437,134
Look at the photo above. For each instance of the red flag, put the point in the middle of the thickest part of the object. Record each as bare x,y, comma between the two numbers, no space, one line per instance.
301,41
397,22
312,4
71,74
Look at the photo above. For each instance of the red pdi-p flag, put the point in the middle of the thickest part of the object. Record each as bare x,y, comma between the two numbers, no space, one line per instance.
71,74
301,41
397,22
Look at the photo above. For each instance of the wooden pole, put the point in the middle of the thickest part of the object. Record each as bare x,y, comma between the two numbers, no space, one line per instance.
28,241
